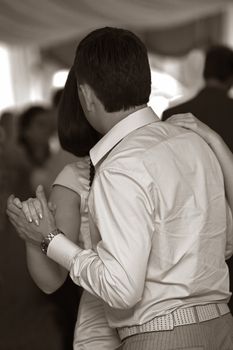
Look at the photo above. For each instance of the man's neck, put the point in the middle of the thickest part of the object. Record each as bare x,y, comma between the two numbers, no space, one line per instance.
115,117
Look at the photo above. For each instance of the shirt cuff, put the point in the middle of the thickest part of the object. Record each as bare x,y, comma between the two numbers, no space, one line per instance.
62,251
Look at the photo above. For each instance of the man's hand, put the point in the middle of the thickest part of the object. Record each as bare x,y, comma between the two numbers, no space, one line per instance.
25,216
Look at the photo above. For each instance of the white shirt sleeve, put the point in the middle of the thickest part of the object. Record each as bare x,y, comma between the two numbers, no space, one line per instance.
122,213
63,251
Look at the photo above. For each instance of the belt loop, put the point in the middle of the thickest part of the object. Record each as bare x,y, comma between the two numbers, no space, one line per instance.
196,314
218,310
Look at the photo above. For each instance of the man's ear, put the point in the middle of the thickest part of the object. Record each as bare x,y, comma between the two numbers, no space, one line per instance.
87,95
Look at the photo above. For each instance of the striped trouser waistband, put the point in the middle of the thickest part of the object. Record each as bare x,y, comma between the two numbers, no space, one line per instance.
179,317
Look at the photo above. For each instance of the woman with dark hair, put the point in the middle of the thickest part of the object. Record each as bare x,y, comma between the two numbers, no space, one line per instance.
34,131
69,194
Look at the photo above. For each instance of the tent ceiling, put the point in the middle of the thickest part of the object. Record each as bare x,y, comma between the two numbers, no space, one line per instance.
174,41
49,22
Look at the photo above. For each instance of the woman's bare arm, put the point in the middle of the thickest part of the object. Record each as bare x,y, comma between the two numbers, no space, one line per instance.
47,274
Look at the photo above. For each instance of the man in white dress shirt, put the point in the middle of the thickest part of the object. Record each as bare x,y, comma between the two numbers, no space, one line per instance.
158,212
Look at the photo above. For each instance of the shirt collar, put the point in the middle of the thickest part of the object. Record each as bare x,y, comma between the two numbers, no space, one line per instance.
132,122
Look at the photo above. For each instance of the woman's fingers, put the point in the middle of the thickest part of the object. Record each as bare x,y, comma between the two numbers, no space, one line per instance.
42,198
32,210
177,119
26,210
17,202
189,121
186,120
33,207
38,208
183,115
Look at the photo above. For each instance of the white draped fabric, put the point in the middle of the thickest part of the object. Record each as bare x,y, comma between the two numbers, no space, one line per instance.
45,22
55,26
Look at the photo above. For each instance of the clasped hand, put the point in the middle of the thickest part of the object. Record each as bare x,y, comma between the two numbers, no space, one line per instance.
34,218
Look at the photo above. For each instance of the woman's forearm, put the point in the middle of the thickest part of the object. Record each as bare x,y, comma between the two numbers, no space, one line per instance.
48,275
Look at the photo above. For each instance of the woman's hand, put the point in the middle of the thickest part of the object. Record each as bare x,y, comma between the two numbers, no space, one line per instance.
189,121
32,208
28,231
33,219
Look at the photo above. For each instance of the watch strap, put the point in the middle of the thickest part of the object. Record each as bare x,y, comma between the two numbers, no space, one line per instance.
47,240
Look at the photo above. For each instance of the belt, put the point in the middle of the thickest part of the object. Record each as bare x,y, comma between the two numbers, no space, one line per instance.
179,317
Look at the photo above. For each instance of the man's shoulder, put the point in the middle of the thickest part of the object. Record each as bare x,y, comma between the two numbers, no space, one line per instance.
135,147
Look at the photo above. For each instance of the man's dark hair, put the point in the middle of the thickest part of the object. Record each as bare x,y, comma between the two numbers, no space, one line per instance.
219,63
114,62
76,135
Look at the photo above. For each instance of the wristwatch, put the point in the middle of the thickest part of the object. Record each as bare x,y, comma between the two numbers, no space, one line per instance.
46,240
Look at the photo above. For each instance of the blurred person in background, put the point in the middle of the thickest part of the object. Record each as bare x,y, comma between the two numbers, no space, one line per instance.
7,122
34,130
29,318
35,126
2,141
37,135
14,164
2,138
212,105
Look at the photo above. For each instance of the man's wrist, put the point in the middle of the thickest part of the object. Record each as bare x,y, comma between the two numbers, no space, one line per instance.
48,239
62,250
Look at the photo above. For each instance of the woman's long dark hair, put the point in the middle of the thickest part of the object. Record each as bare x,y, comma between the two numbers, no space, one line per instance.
75,133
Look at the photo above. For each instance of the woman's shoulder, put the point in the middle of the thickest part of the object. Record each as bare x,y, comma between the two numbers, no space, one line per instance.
80,164
75,175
